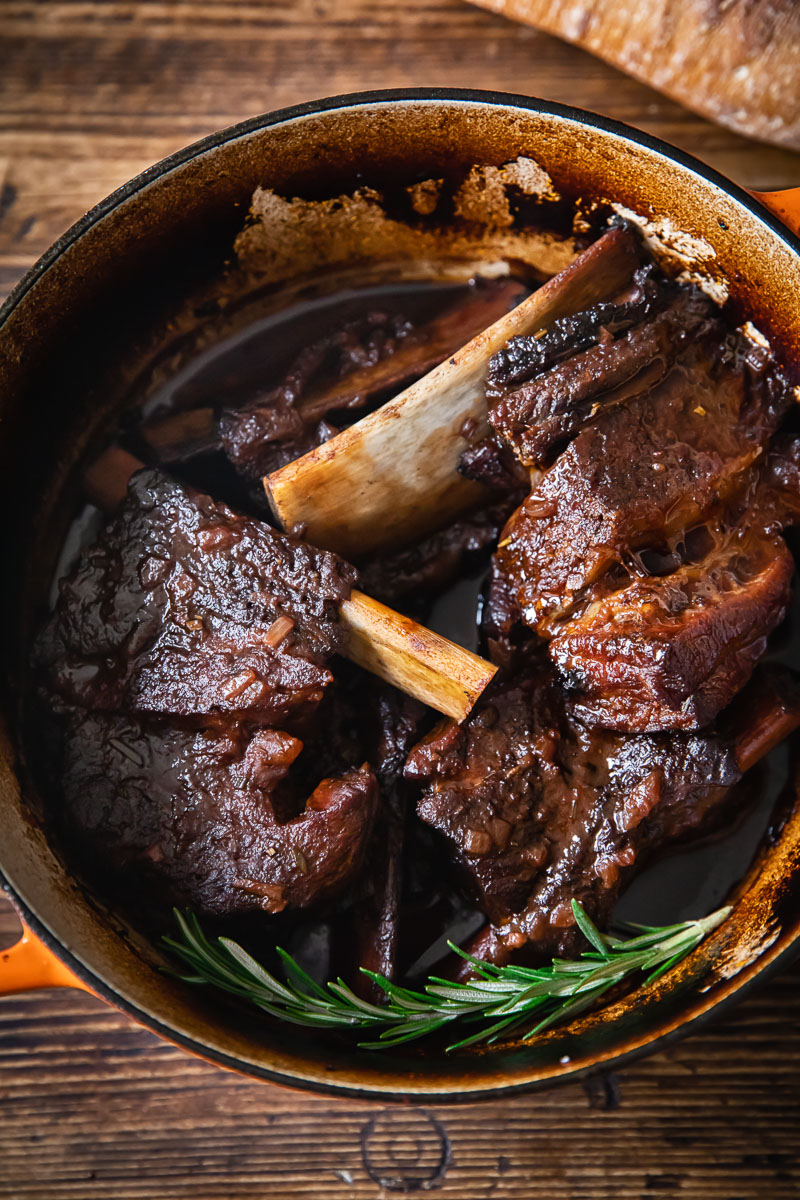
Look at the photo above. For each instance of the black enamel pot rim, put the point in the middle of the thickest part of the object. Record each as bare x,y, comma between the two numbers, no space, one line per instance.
397,96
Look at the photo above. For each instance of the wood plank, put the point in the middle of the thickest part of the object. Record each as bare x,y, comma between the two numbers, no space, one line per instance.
93,1106
91,93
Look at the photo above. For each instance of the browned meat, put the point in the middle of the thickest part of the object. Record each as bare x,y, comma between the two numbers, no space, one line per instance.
493,464
184,608
539,810
655,813
528,355
290,418
501,620
482,790
210,759
776,494
538,415
640,474
670,652
192,815
359,365
436,560
376,914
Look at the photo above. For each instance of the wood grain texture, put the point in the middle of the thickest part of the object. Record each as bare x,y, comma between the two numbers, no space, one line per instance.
93,91
92,1106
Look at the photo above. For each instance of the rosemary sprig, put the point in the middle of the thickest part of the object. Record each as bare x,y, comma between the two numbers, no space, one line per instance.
498,999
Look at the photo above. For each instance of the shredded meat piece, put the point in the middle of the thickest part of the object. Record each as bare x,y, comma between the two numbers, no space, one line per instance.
493,464
539,415
539,810
529,355
192,814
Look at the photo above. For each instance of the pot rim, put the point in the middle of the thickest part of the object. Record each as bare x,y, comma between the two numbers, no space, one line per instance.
737,987
313,108
424,1094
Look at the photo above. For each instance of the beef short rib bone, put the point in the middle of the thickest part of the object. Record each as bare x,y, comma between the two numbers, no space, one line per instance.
345,371
373,364
397,649
419,662
665,652
190,814
394,475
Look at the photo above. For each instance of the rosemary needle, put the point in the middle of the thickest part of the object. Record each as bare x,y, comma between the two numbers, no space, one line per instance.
498,1000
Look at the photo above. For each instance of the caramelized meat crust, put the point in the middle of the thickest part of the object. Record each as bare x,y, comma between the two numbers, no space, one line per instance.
670,652
539,810
529,355
184,608
640,474
537,416
660,421
192,814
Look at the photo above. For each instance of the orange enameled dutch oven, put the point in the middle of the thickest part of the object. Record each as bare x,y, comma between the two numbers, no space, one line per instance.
98,305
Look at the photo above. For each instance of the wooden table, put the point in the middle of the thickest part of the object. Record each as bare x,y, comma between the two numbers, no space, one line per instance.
91,92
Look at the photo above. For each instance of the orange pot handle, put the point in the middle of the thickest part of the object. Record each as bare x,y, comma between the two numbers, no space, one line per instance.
30,965
784,205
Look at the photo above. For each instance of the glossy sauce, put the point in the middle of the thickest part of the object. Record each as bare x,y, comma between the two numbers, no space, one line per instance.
248,363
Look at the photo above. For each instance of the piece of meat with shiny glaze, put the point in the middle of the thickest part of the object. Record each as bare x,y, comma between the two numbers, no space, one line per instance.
538,416
539,810
670,649
184,608
482,790
435,561
199,816
528,355
660,790
669,652
641,474
776,494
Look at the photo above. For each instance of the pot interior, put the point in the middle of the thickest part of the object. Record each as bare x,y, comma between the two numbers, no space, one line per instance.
284,211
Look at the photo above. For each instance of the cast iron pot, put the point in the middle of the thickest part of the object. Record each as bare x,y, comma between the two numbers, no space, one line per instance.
93,304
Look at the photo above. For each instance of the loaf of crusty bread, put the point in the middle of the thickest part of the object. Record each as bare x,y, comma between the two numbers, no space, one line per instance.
735,61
